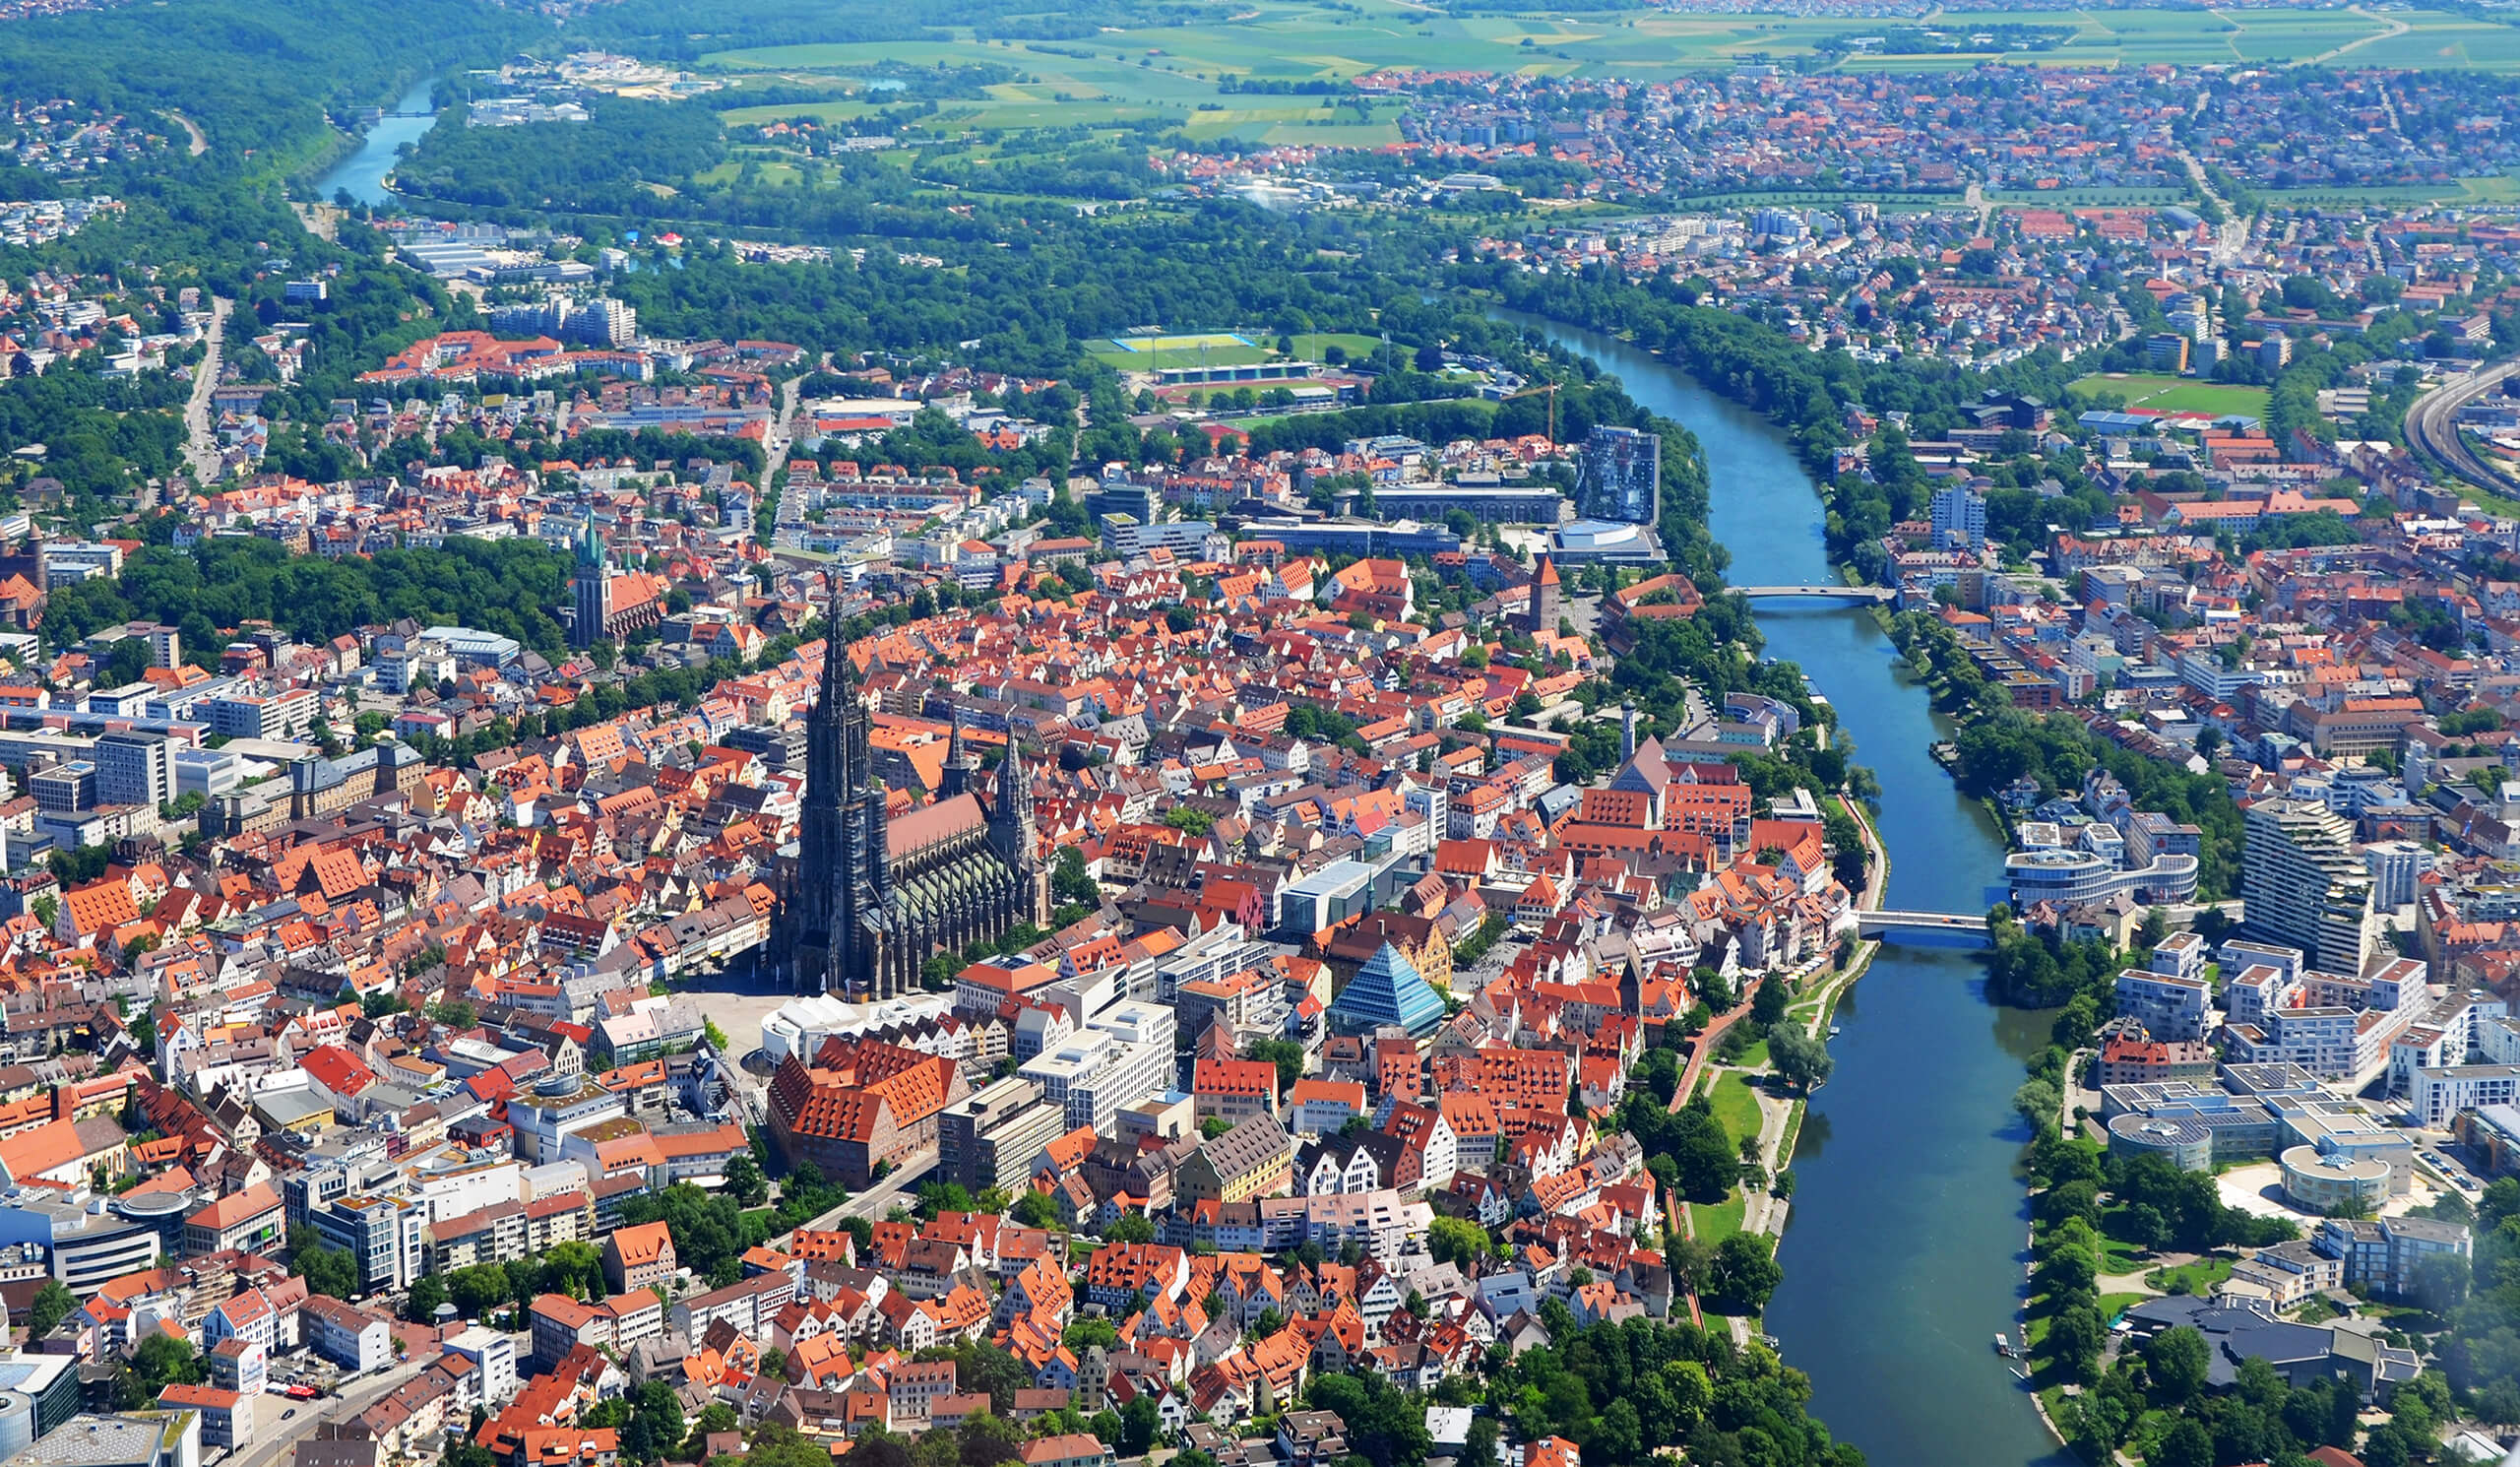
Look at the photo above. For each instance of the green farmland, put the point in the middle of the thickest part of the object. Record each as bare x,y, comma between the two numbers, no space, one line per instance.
1178,74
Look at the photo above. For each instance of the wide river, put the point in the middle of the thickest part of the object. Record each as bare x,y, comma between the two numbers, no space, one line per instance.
1903,1253
364,172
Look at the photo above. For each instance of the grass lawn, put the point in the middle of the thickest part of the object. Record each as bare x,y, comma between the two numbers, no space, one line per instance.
2167,394
2199,1277
2119,1258
826,111
1309,345
1719,1222
1755,1056
1736,1105
2112,1305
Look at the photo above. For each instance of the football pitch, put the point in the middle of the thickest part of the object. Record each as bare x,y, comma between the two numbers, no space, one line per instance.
1158,352
2163,393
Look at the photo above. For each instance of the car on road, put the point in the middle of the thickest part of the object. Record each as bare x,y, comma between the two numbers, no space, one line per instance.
285,1415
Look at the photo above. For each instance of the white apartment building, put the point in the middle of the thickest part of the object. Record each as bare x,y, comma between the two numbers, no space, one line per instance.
2171,1007
2304,884
2433,1095
2395,868
1092,1074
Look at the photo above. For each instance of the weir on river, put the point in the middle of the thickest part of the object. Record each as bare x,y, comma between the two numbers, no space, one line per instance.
1909,1231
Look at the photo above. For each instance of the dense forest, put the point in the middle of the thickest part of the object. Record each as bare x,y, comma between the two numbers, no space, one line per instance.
623,146
257,75
510,587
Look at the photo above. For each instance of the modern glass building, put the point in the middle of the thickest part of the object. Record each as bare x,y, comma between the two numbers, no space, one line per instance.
1387,990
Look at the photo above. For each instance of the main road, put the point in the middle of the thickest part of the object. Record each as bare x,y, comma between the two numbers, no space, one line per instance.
781,432
271,1447
201,449
872,1203
2432,426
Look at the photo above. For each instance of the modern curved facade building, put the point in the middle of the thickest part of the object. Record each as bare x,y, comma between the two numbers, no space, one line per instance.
2074,878
2319,1181
2185,1143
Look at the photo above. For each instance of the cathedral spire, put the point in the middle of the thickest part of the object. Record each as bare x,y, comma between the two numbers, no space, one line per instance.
838,676
960,763
1014,789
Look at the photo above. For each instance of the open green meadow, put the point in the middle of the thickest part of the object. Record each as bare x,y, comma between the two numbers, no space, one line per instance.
2167,394
1178,74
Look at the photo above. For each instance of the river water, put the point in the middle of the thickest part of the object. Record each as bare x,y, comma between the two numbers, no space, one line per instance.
1904,1251
363,173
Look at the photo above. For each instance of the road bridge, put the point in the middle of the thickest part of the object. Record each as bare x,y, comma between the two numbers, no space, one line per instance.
1890,925
1852,595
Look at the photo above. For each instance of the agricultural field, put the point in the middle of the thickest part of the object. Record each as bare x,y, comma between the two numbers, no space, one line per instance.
2167,394
2436,41
1178,74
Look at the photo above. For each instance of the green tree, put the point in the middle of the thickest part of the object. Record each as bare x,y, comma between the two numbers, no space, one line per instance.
1069,879
1799,1059
428,1291
2177,1360
1085,1334
1747,1272
51,1305
2075,1338
743,1180
1286,1055
655,1423
2186,1444
160,1360
478,1288
328,1270
1452,1239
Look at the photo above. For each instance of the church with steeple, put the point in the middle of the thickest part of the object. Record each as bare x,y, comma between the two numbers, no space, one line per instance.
867,900
610,604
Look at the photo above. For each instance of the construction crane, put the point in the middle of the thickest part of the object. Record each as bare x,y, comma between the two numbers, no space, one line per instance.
1551,389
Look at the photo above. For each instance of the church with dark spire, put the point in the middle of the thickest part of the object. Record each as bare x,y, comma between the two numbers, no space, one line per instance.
607,603
868,900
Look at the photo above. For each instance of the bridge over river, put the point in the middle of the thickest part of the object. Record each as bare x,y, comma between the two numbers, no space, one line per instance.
1891,925
1849,595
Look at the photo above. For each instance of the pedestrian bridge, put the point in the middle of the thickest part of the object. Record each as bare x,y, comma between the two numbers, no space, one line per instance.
1852,595
1890,925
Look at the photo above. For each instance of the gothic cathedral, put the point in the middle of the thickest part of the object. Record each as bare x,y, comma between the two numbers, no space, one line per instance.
866,901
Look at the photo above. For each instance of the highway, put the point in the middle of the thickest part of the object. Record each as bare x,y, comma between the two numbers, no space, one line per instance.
2433,431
